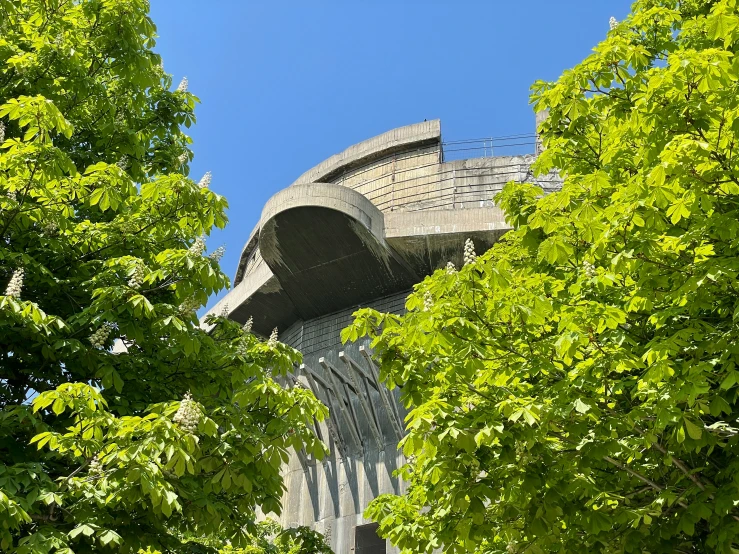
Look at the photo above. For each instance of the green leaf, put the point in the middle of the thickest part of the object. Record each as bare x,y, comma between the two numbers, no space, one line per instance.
694,431
581,406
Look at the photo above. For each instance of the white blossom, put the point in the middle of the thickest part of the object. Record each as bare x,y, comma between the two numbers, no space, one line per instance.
95,467
15,284
98,338
469,252
248,325
450,269
11,195
2,132
613,23
242,349
589,269
189,305
217,254
137,277
272,342
183,158
205,180
123,162
188,414
428,301
183,85
50,227
198,247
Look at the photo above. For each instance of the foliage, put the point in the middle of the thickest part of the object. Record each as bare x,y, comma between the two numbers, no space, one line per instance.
178,432
575,388
269,538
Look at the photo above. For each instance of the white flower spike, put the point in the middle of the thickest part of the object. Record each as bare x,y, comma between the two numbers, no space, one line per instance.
272,342
137,278
469,252
198,247
613,23
15,285
428,301
205,181
217,254
188,414
96,468
98,338
183,85
589,269
248,325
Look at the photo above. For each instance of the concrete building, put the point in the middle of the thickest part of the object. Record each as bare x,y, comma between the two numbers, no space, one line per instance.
360,229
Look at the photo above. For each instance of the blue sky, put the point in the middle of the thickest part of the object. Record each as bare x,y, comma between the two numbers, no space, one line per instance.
286,84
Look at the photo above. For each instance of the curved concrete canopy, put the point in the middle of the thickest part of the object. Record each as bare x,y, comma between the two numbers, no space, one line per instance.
325,244
362,153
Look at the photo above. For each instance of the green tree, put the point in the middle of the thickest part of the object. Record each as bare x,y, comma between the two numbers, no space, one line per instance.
269,538
575,388
177,434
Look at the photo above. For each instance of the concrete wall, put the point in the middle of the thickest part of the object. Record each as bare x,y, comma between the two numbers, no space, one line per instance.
331,495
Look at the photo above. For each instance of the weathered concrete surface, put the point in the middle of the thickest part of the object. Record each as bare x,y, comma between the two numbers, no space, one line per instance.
429,239
365,152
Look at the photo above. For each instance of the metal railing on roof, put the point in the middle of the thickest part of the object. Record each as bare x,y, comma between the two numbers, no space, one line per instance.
487,147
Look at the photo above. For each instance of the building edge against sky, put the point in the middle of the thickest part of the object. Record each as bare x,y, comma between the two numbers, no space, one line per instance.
360,229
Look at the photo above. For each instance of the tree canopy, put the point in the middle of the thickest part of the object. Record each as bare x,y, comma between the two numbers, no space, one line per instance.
575,388
175,437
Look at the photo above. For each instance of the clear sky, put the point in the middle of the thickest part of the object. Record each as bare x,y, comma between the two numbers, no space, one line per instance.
284,85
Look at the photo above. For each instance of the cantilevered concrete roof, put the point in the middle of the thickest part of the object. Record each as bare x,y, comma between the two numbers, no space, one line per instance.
370,221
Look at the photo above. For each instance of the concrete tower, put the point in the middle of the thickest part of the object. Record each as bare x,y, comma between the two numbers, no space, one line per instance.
360,229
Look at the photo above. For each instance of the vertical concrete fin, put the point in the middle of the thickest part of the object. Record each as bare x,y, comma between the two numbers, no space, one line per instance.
385,396
364,401
347,410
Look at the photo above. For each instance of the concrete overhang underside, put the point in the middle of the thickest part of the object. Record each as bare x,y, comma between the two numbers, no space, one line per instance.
327,247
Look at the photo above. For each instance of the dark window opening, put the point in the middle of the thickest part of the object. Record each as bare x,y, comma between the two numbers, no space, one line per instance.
367,541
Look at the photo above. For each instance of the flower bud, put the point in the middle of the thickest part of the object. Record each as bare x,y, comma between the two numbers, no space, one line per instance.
99,337
469,252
